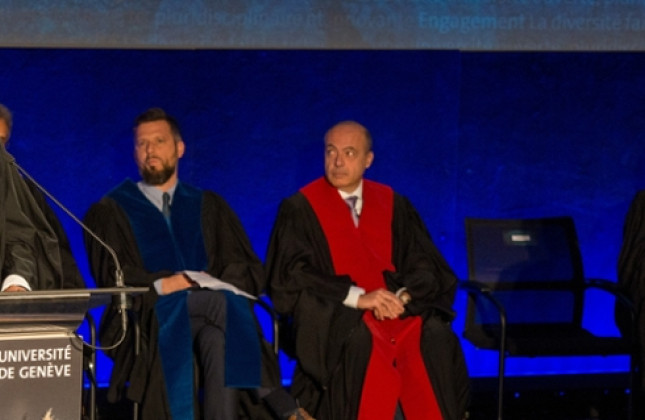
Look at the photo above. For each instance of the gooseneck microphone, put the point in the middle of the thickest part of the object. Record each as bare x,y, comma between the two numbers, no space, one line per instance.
118,273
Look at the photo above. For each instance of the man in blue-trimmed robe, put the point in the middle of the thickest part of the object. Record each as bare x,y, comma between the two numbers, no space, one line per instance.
160,228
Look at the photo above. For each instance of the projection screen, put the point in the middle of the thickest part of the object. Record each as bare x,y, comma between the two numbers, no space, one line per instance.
490,25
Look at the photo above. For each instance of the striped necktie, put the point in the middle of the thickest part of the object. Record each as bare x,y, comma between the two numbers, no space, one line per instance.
351,202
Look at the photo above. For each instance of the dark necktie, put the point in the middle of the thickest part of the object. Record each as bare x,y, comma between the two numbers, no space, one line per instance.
165,209
351,202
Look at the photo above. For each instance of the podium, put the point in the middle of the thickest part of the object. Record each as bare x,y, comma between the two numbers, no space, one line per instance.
41,357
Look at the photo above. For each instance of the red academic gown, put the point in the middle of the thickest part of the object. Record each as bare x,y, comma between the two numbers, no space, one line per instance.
310,274
395,370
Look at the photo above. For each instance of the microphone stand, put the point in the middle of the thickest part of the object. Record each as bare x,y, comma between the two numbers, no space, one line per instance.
118,272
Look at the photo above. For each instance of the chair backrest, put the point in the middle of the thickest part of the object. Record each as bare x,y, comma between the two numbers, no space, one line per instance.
533,267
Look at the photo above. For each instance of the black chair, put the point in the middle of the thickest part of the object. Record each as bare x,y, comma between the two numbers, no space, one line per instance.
526,292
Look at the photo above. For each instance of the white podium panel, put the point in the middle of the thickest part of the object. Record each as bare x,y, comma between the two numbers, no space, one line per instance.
40,376
41,359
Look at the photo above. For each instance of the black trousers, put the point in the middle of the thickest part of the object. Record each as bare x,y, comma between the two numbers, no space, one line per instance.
207,311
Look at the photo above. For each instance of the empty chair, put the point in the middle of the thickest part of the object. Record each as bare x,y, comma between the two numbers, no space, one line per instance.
526,292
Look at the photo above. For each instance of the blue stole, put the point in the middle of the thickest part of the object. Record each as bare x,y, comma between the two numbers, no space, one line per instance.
187,252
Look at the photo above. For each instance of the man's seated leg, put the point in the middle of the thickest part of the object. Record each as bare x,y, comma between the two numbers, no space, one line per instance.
207,312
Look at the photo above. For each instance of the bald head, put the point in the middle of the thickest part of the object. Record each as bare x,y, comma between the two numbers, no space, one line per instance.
348,153
352,126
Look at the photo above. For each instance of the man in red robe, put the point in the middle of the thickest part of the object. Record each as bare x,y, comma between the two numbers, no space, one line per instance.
367,295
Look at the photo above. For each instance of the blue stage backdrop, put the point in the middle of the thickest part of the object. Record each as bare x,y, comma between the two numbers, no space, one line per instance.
461,134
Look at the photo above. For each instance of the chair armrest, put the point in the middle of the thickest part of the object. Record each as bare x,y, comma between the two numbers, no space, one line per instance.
474,287
477,289
274,320
613,289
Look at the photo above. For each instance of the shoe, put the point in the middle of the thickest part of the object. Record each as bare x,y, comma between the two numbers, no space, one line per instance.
301,414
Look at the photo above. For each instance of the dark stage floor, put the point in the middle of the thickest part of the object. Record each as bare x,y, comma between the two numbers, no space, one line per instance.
561,397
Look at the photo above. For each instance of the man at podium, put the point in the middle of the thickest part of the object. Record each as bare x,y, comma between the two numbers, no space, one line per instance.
34,248
28,247
30,259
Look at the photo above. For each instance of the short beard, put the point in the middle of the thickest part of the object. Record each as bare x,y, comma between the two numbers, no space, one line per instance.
154,177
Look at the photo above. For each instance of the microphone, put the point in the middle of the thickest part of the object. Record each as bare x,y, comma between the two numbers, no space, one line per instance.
118,274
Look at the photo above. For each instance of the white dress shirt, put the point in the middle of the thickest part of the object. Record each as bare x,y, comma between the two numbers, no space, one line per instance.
351,300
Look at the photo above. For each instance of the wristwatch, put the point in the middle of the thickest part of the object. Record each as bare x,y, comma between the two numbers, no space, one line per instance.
403,295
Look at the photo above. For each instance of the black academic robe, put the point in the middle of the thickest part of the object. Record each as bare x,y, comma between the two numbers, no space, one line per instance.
72,278
28,244
230,258
304,287
631,273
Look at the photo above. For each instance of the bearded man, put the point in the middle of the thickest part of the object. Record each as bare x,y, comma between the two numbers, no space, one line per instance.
162,230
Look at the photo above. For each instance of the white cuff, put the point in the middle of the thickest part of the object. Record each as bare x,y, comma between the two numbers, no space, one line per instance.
15,280
157,285
354,293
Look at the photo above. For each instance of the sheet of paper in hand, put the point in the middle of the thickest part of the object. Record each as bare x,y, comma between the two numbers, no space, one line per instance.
207,281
